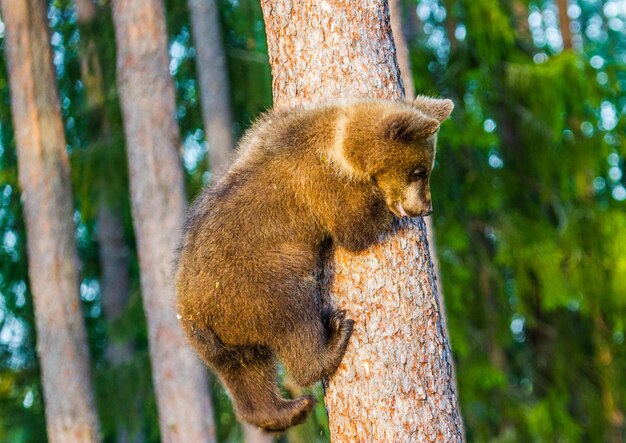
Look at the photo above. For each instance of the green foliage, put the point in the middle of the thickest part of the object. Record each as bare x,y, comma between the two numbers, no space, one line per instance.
534,293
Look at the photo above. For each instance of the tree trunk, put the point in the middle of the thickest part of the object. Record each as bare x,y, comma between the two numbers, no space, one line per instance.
252,434
112,250
450,24
402,49
113,254
213,78
605,370
158,205
396,381
564,24
44,177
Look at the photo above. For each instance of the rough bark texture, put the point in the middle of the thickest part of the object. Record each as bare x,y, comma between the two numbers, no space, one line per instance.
564,24
44,177
213,78
396,380
158,204
330,49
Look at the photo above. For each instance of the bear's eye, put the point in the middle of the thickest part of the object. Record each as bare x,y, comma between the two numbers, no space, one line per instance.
418,174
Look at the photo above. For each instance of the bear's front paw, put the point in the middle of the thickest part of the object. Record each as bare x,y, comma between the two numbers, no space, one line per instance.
339,329
336,323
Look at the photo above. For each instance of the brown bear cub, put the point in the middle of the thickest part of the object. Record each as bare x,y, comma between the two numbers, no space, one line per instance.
304,178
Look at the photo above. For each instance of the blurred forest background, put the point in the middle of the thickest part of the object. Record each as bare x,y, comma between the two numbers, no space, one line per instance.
529,213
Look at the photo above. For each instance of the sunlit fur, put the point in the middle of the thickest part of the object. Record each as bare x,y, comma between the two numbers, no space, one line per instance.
304,179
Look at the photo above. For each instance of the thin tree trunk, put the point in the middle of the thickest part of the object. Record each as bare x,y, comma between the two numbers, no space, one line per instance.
213,78
113,256
402,49
396,381
520,21
44,177
158,205
112,251
450,24
564,24
605,369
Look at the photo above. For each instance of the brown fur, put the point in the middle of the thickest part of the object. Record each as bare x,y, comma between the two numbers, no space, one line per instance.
246,281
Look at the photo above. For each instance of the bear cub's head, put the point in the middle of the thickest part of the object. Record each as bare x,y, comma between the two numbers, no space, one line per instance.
398,156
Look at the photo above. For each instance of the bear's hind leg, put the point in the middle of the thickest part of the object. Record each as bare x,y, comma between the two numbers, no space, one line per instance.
249,375
251,381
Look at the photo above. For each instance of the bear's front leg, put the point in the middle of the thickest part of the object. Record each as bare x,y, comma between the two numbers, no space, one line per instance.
313,349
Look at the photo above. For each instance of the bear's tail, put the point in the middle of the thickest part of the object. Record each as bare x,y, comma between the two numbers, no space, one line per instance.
249,375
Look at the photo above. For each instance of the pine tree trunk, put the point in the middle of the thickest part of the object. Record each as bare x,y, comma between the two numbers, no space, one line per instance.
113,251
564,24
112,247
396,381
44,178
605,370
402,49
213,78
158,204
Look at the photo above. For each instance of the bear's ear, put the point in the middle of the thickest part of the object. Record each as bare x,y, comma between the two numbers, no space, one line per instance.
434,107
408,126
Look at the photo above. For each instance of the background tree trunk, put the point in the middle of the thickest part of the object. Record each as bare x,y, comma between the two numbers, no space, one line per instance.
213,77
564,25
402,49
158,204
396,381
113,250
44,177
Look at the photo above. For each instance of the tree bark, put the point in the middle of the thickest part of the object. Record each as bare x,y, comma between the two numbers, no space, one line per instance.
158,205
213,77
564,25
396,381
44,177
